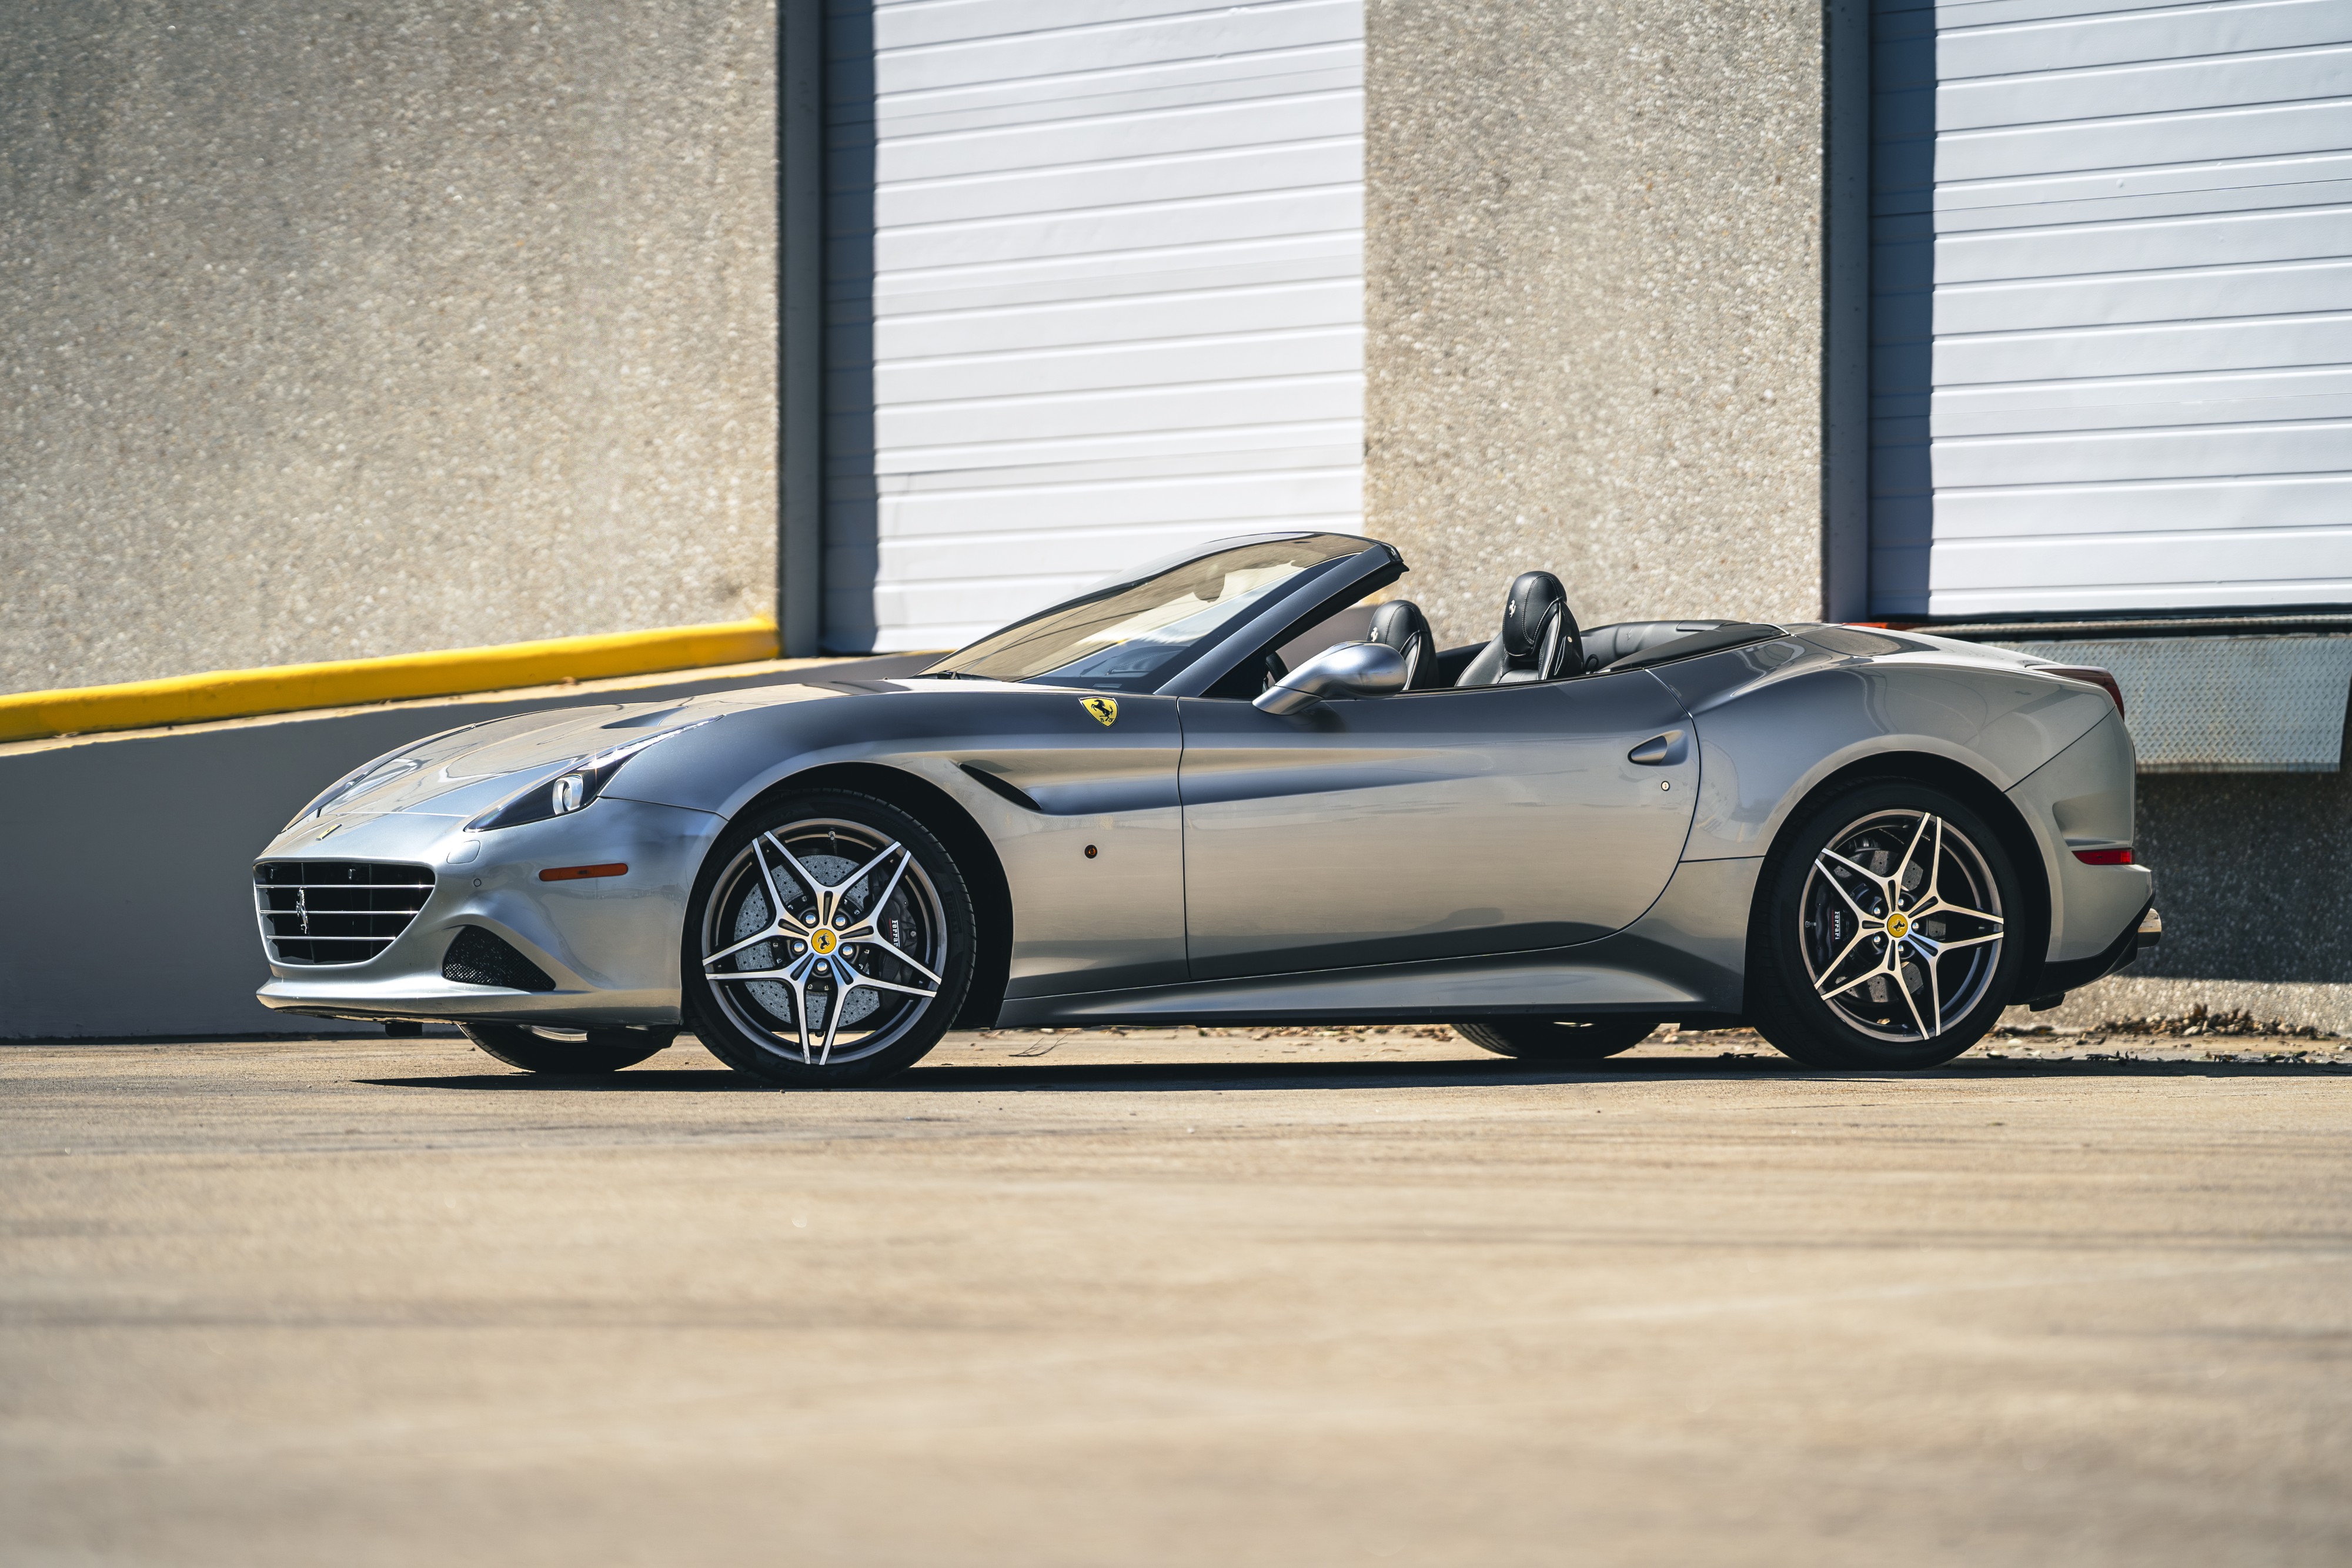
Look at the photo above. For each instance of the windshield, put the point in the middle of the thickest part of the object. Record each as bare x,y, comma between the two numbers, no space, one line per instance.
1122,636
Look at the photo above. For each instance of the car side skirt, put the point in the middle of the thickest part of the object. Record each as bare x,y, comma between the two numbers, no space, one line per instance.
1684,960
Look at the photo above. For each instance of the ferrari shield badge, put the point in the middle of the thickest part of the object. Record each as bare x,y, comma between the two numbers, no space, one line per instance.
1103,708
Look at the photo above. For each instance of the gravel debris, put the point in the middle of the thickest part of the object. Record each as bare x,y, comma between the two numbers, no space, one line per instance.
2200,1035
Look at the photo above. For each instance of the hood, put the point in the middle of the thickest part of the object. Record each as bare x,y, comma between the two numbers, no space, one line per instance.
460,772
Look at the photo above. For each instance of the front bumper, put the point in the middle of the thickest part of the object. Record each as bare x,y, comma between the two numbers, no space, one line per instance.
610,944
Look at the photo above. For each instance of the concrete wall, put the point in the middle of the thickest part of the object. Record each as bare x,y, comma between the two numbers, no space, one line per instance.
140,919
337,331
1593,303
135,914
2252,873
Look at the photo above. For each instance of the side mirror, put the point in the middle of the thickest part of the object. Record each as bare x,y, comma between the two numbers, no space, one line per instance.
1349,670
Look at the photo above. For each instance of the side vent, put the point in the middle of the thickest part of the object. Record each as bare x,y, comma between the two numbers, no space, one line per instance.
478,957
996,786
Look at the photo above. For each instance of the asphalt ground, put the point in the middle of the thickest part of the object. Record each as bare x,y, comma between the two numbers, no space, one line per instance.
1144,1298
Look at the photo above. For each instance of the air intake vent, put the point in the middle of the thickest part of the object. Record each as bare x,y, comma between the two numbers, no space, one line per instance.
479,958
336,911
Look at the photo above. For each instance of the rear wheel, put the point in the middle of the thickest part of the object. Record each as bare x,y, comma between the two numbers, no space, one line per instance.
1561,1040
829,942
539,1048
1880,937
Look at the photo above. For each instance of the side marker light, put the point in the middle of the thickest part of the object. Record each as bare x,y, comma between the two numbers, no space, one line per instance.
2088,857
617,868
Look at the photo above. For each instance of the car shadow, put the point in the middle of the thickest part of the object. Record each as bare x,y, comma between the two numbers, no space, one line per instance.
1146,1076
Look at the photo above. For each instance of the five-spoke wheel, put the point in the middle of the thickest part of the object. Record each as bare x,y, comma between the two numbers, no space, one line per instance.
1881,935
829,941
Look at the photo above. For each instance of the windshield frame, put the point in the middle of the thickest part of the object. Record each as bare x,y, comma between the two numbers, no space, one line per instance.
1190,662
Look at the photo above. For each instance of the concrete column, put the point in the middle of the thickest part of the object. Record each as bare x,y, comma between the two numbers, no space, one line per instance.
1594,304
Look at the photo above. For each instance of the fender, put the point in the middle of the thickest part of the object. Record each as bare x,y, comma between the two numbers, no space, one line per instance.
1774,719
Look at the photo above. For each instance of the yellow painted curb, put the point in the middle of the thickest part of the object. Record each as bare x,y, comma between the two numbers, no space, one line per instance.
355,682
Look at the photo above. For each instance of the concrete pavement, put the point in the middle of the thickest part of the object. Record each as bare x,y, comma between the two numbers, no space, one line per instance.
1095,1299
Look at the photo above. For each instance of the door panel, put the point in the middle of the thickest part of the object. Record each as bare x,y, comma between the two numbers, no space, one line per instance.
1434,824
1081,921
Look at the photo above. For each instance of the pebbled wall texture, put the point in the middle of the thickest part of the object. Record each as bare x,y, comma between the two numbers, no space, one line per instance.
2249,867
330,332
1593,319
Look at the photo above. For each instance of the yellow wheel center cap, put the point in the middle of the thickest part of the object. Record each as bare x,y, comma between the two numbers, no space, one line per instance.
1898,925
823,941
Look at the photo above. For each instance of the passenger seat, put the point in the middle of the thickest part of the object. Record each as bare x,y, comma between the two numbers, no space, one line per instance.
1539,640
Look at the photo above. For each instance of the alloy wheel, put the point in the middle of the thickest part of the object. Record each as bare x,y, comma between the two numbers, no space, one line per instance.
825,940
1901,925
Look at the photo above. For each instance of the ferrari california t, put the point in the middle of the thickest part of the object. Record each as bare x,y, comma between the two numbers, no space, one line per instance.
1244,785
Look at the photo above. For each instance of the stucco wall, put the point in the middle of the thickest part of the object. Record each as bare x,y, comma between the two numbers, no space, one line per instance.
1593,303
335,332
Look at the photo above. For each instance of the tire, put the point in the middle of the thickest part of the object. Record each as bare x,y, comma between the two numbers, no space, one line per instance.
534,1051
1834,981
1564,1039
909,956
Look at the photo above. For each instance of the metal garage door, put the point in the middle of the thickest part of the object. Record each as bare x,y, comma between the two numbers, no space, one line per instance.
1095,291
2111,306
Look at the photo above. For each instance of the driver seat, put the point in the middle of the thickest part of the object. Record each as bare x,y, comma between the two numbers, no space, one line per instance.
1399,624
1539,640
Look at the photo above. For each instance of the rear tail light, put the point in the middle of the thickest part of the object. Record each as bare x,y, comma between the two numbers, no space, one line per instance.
2104,857
2093,675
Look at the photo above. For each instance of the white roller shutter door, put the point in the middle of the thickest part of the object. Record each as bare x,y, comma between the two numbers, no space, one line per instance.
1094,293
2112,305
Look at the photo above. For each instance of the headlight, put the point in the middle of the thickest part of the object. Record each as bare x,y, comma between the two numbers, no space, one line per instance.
574,788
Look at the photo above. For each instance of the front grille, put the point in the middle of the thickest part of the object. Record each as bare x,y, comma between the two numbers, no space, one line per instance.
336,911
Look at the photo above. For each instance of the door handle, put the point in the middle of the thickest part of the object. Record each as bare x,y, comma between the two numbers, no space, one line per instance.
1668,750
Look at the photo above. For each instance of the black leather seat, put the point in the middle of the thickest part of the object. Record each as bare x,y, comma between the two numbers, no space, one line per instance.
1539,640
1403,626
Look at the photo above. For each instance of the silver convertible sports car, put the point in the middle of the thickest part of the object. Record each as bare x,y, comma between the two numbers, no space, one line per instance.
1243,785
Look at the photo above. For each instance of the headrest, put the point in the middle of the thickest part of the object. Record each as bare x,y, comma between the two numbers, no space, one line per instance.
1402,625
1528,612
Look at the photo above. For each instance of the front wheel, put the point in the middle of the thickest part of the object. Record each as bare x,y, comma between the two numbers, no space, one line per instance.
1880,937
829,941
541,1050
1565,1039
